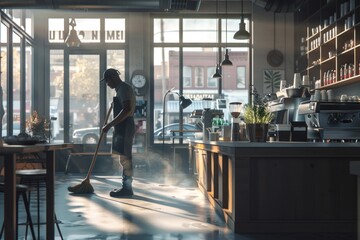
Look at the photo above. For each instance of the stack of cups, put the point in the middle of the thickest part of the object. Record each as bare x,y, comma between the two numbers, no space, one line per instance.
324,96
305,80
282,84
330,95
317,95
297,80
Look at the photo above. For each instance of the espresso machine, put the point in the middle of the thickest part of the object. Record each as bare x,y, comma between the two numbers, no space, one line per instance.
288,124
206,115
235,109
286,110
336,121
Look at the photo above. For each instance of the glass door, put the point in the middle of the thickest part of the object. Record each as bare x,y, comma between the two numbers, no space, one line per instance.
84,85
74,97
78,100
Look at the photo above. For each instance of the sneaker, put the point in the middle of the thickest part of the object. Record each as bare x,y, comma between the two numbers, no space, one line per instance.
122,193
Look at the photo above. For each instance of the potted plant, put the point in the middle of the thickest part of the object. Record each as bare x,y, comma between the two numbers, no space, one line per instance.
257,117
37,126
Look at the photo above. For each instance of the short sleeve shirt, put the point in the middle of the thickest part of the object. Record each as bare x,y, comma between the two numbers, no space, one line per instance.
124,92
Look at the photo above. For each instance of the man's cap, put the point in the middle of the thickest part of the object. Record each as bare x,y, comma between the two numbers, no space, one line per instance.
109,73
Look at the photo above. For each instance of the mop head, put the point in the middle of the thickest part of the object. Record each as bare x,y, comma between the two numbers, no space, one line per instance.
82,188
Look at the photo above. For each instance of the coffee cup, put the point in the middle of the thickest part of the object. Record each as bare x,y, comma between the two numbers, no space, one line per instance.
305,80
330,95
214,136
317,95
323,94
282,84
343,98
297,80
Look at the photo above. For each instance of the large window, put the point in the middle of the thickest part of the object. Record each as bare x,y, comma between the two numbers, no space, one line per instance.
187,79
57,93
75,75
199,77
16,71
186,52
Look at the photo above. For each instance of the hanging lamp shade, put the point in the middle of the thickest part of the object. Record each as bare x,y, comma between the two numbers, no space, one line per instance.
72,39
217,72
226,61
242,33
185,102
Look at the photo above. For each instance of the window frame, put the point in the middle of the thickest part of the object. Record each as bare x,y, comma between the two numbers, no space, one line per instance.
220,44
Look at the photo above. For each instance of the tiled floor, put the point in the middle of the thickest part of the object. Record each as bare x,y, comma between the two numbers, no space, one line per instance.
165,207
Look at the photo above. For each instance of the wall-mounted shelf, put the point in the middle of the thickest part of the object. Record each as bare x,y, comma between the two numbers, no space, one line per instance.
332,38
341,83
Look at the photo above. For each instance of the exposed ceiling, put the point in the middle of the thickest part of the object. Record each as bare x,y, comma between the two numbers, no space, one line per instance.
143,5
123,5
280,5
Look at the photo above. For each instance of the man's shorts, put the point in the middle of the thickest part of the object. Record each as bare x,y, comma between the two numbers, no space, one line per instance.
123,137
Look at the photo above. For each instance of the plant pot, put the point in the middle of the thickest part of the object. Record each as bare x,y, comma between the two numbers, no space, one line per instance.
257,132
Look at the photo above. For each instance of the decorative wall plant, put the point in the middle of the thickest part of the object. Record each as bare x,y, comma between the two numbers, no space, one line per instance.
272,78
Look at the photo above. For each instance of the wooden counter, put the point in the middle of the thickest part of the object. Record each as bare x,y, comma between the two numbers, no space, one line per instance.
279,186
355,170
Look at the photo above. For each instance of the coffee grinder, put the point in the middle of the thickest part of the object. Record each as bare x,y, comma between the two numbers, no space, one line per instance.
235,109
206,118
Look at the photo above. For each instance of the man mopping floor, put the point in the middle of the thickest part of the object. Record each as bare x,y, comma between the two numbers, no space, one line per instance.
124,131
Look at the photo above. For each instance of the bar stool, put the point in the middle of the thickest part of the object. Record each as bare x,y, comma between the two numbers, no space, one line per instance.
21,190
31,176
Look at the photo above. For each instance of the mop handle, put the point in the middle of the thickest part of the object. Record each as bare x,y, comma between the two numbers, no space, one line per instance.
98,144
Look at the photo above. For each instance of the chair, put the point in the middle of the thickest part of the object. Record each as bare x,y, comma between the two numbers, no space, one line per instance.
31,176
21,190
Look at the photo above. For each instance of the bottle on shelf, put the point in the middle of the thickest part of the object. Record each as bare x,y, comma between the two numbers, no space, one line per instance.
351,70
346,73
303,47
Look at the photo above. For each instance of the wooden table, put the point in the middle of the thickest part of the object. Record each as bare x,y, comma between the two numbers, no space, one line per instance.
10,152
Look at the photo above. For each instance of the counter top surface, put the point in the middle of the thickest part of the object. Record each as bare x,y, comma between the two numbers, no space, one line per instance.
6,148
248,144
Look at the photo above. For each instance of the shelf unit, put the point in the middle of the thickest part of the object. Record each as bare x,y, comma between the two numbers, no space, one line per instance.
328,33
140,139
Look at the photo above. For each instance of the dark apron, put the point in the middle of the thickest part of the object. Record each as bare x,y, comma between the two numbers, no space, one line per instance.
123,132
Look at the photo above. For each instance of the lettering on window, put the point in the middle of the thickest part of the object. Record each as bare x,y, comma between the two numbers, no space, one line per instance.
111,35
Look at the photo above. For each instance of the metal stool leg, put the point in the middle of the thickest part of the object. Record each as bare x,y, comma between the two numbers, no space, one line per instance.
2,230
38,208
58,228
29,220
67,164
28,217
37,175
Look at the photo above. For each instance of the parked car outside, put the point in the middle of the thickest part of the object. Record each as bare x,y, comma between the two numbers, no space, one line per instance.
91,135
192,134
16,129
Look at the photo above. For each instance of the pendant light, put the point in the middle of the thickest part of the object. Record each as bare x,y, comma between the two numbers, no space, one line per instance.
72,39
242,34
217,71
226,61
